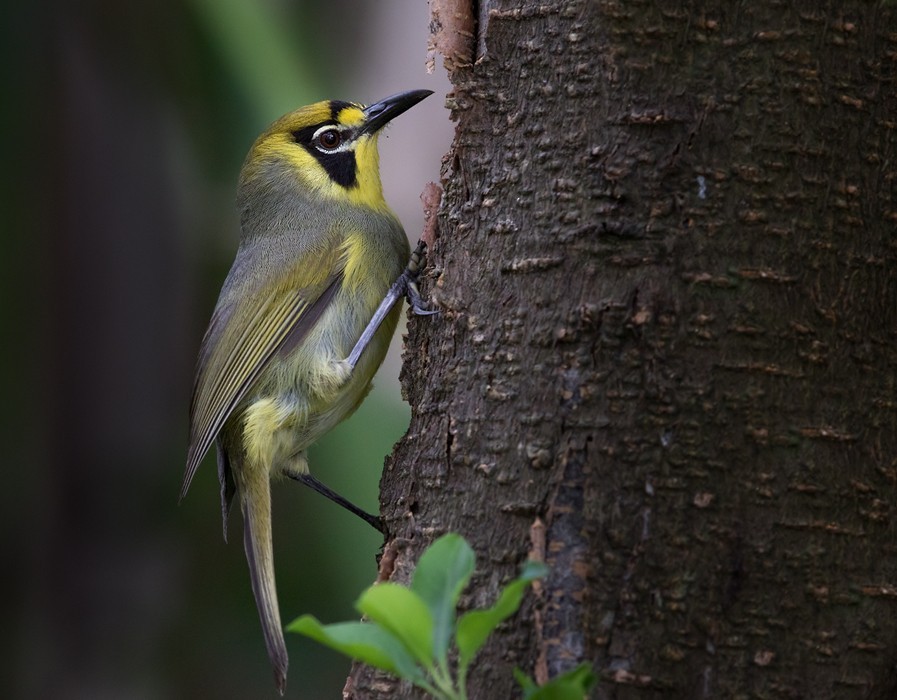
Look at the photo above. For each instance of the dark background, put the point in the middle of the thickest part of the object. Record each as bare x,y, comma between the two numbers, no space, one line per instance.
124,128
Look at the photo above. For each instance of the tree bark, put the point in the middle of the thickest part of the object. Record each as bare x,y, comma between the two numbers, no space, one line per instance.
665,359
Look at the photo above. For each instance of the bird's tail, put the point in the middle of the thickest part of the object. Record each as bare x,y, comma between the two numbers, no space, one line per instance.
256,505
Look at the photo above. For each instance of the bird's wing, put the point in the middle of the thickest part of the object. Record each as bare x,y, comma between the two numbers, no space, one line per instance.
258,325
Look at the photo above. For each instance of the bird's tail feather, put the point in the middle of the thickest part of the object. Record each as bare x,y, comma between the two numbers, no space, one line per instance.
256,502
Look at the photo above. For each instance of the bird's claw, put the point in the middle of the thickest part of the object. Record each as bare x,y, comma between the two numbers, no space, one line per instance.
417,303
415,300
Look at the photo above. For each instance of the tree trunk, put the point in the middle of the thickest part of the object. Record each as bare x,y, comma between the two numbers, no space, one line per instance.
667,347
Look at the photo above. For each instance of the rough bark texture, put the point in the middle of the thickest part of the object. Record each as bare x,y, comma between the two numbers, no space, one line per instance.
666,267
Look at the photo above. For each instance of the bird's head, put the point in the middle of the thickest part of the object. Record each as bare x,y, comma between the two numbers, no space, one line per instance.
328,149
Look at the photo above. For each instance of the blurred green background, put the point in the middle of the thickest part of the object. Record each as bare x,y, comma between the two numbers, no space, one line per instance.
125,125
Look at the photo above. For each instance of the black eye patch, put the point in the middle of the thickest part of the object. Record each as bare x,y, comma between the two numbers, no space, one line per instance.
306,133
340,166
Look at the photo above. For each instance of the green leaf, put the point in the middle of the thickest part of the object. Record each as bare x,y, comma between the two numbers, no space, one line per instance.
441,574
475,627
363,641
404,614
528,684
572,685
532,570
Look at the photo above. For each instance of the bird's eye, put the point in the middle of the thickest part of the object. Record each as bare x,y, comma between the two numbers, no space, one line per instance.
329,140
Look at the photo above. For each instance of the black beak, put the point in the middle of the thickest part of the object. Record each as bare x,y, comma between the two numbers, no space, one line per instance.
384,111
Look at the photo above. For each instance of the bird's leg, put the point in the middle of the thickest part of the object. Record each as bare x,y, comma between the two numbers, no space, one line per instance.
324,490
405,285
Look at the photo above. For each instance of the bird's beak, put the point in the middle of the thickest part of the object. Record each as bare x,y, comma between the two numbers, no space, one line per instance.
384,111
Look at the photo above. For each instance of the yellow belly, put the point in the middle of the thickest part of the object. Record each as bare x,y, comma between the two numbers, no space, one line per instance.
300,397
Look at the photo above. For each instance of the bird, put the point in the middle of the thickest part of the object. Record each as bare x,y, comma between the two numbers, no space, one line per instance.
303,319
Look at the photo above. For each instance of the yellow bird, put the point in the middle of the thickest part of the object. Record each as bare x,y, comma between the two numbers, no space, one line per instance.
304,318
